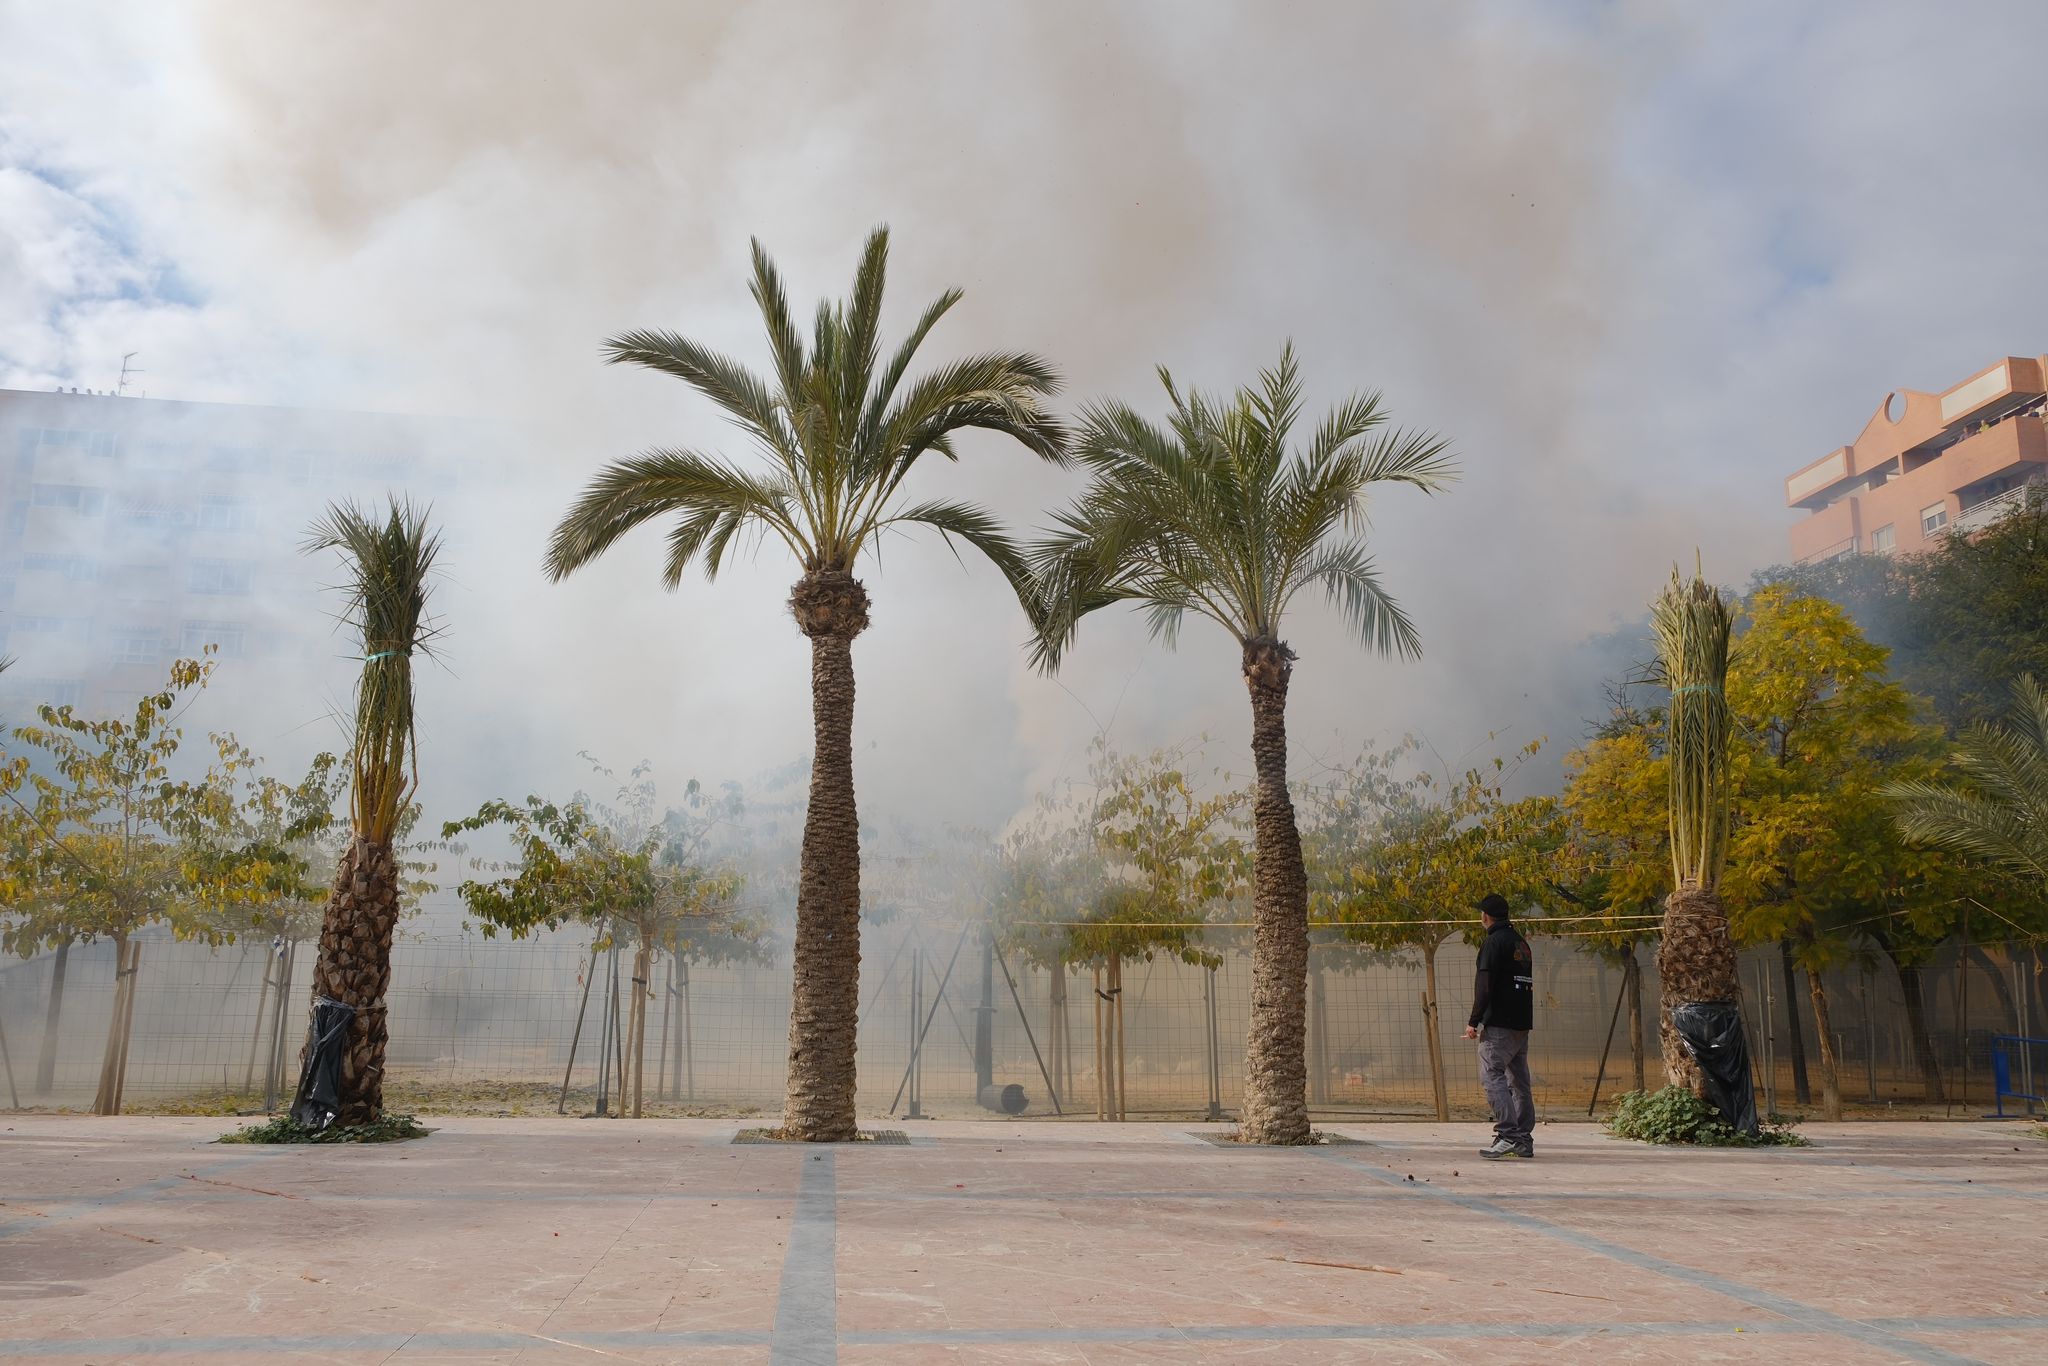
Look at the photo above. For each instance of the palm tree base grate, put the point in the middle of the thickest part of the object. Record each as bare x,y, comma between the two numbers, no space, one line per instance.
887,1137
1320,1138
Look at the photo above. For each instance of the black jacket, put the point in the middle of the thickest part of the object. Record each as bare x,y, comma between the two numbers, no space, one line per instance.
1504,993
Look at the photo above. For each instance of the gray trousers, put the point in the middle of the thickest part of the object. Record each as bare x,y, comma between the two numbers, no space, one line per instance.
1504,1070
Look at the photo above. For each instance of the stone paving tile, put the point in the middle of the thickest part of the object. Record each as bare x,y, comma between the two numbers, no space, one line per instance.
1074,1242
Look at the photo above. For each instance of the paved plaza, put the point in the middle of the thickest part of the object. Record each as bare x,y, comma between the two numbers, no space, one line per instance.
613,1241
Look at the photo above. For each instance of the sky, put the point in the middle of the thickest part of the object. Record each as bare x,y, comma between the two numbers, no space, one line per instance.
1636,262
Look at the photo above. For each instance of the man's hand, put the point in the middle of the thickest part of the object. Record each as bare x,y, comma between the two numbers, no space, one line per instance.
1471,1031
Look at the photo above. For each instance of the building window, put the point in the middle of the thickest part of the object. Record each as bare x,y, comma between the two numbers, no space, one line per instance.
220,577
86,502
228,637
1933,519
135,647
74,567
217,513
1882,540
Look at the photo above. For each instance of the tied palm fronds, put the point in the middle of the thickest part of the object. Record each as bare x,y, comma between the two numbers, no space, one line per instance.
838,431
1217,513
389,562
1692,623
1999,815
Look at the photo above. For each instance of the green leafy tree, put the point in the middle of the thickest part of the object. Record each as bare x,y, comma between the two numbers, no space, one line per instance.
1413,856
629,874
1811,854
1219,514
1130,865
98,852
1612,861
838,431
389,564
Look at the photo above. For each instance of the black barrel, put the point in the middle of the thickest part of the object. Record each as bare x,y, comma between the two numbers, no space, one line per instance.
1008,1100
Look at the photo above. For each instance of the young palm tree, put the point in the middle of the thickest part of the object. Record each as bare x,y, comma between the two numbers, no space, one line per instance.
837,430
2001,817
388,562
1215,513
1692,623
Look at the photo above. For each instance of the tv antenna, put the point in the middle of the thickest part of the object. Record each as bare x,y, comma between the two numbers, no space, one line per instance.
126,371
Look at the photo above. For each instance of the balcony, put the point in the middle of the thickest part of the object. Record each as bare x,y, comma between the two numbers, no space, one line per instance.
1982,514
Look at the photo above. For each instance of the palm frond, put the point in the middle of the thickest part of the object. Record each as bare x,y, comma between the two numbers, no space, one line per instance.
2000,814
1692,623
1351,579
389,562
660,482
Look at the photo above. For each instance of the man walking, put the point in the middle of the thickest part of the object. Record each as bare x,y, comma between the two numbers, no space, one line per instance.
1503,1011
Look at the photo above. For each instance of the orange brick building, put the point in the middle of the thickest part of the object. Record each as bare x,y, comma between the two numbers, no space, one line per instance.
1927,466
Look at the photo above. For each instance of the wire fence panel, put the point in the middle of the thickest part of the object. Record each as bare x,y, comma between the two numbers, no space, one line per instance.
489,1024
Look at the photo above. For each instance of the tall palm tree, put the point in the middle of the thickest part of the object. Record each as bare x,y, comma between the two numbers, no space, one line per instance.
1692,623
836,431
388,561
2001,816
1217,514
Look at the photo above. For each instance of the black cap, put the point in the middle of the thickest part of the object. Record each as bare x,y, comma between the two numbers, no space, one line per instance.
1495,905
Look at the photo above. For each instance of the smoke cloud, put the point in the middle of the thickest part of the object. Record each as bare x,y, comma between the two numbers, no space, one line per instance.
1636,263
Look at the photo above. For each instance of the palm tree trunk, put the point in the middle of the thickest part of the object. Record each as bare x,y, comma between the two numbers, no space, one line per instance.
46,1063
354,968
1632,970
1432,1030
1275,1069
1695,963
831,608
1830,1068
1802,1090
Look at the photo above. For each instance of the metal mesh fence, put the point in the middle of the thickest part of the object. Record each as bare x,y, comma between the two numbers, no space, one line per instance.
488,1024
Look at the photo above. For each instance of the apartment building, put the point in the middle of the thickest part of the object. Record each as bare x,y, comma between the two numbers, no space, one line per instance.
1927,465
134,531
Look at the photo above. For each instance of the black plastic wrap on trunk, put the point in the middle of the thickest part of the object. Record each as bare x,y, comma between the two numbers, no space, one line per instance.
319,1097
1713,1034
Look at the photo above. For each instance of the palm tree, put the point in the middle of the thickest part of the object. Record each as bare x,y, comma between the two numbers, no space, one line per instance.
837,432
1692,623
2001,817
388,562
1215,513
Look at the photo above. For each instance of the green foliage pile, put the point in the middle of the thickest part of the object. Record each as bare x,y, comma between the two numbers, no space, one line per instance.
1675,1115
386,1128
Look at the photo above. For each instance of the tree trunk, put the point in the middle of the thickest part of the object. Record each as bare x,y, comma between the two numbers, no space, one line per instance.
1632,977
1830,1067
1275,1069
354,968
643,972
831,608
107,1099
127,1025
1101,1054
1916,1025
1432,1030
1974,953
1056,1003
1802,1091
1695,963
46,1064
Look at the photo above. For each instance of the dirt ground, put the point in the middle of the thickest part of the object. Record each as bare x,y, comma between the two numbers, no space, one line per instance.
551,1240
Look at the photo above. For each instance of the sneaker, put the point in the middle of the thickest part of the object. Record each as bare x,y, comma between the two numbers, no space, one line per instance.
1499,1148
1527,1151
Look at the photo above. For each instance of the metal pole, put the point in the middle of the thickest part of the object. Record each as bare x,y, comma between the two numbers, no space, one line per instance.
1029,1036
1613,1020
13,1100
1215,1062
915,1076
689,1041
985,1018
576,1038
668,1007
604,1034
1869,1035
